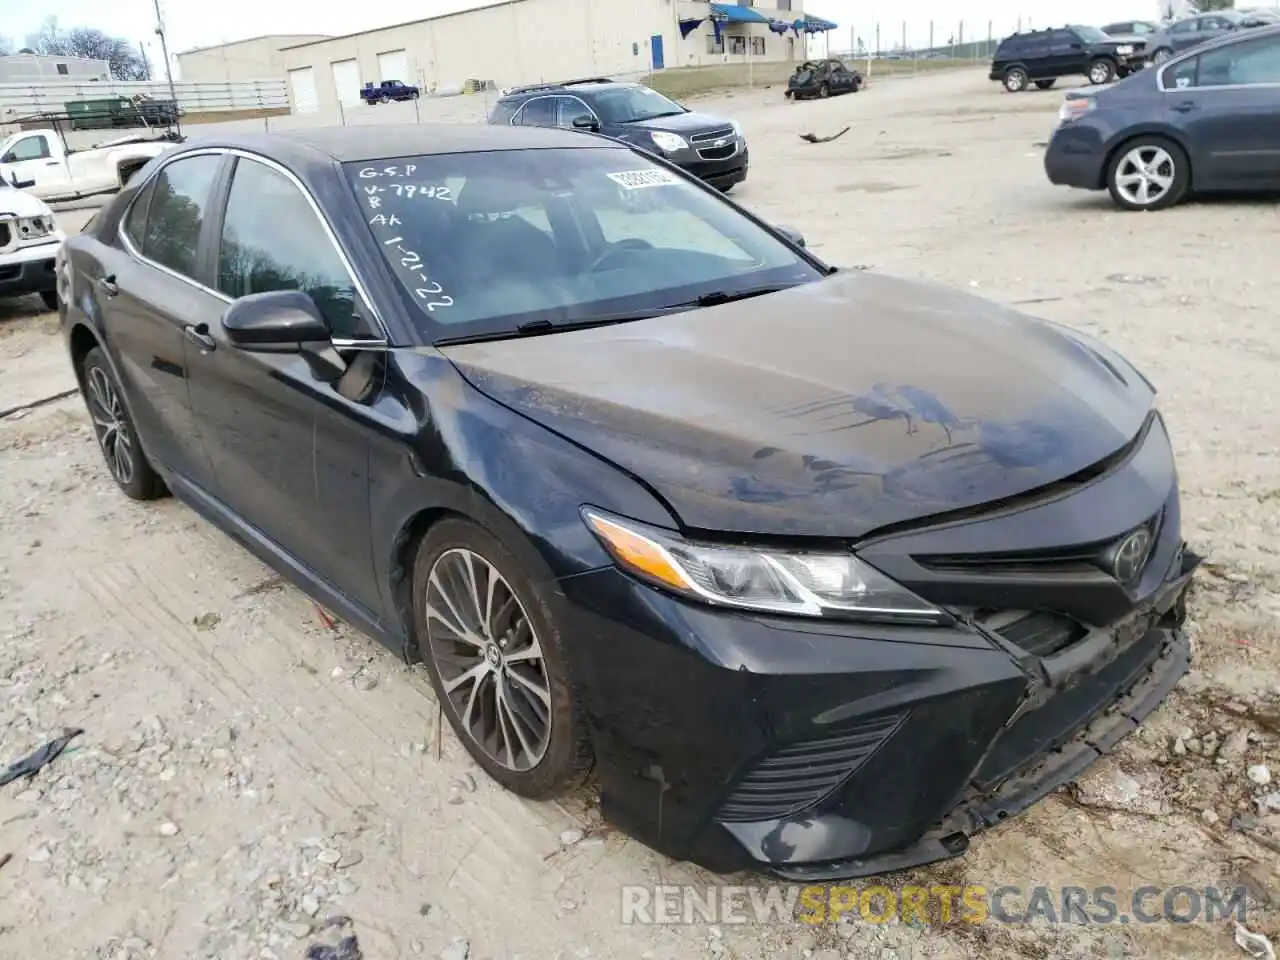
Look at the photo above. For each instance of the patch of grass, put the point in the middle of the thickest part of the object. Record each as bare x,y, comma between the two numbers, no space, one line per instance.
222,116
680,82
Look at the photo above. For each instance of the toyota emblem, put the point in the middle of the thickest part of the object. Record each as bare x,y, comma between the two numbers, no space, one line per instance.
1131,556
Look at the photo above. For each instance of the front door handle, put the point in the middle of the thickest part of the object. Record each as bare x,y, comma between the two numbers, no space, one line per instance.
51,163
108,286
198,334
1186,106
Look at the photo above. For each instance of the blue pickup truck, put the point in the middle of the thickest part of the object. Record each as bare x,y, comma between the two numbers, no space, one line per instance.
387,91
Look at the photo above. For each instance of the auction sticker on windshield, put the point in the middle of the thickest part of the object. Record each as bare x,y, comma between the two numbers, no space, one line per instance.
639,179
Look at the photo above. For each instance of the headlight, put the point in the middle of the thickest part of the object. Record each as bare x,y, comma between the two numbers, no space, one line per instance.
1124,49
805,583
669,142
737,128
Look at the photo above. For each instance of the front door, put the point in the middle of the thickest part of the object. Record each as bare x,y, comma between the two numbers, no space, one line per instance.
290,451
655,48
150,290
30,160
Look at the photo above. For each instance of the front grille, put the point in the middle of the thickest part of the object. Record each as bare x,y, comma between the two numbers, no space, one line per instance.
1041,634
6,235
797,776
711,135
718,153
10,271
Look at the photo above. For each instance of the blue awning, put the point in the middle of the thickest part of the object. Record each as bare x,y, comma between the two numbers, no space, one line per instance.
688,26
814,25
732,13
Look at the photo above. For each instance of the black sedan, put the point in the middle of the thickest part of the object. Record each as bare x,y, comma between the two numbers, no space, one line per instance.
822,78
648,487
1208,121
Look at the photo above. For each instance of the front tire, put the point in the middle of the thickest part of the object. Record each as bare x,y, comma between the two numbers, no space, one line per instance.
824,91
1101,71
1161,55
497,662
1015,80
1148,173
50,298
112,425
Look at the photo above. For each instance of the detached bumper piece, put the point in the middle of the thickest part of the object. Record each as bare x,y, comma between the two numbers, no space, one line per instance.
1082,699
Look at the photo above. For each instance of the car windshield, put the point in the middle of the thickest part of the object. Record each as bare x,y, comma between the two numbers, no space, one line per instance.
629,104
1092,35
486,243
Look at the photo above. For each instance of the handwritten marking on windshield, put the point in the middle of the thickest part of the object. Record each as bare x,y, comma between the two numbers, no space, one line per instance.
428,191
391,171
410,263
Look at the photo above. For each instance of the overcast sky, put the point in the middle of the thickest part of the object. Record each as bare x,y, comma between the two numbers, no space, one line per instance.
197,23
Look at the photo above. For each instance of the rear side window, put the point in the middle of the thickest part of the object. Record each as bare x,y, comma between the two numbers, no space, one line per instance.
539,112
1010,47
1240,64
179,204
135,222
1186,26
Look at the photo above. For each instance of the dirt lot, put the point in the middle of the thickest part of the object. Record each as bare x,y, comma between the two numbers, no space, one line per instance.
247,772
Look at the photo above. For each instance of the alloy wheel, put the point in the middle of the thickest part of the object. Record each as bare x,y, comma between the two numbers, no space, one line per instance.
1161,56
1145,174
111,425
489,659
1099,73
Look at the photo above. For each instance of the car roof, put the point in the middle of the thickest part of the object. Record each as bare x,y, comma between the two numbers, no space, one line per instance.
379,142
567,86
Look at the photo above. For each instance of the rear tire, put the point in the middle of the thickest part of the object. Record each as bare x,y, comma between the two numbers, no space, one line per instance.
1015,79
113,427
1161,55
824,91
455,565
1045,84
1157,161
1101,71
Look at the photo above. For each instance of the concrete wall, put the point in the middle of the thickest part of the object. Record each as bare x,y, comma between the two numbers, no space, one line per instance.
258,58
521,41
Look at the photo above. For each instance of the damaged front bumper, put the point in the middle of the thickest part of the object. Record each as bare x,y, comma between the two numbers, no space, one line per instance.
791,749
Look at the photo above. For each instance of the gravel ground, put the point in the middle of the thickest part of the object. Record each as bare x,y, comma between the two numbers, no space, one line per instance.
248,772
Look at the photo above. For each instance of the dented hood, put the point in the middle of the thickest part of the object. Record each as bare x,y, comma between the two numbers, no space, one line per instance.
831,409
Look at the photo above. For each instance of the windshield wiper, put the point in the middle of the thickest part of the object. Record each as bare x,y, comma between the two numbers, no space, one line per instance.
533,328
717,297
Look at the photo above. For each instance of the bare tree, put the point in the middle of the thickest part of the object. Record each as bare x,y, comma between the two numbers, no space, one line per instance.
1207,5
126,62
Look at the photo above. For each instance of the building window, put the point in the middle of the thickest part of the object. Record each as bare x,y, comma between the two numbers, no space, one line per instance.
782,4
746,3
62,69
757,46
738,46
715,44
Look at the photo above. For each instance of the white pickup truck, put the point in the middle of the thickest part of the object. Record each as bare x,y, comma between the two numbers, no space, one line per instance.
39,162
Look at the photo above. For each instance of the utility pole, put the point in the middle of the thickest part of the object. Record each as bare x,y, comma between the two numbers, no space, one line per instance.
146,64
168,70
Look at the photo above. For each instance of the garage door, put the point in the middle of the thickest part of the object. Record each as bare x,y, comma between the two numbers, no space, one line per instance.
302,88
394,66
346,80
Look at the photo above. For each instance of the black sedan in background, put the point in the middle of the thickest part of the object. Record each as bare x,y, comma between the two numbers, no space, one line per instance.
647,488
1207,121
822,78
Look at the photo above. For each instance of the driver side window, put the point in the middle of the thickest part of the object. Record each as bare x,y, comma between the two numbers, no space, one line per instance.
287,249
29,148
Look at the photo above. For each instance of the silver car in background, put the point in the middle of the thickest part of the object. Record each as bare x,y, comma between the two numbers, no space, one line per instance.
1184,34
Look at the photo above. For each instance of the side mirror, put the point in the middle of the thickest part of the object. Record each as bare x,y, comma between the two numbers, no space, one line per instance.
586,123
8,158
791,233
275,322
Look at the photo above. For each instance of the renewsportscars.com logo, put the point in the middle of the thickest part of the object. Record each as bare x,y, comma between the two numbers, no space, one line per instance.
939,904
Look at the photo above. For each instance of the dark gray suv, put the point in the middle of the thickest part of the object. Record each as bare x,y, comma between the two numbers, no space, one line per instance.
709,147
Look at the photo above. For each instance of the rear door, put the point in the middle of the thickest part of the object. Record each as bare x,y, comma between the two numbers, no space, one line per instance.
1227,102
289,447
1185,34
151,290
1036,52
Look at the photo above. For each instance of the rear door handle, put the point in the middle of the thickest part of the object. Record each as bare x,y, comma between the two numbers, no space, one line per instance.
1186,106
199,335
108,286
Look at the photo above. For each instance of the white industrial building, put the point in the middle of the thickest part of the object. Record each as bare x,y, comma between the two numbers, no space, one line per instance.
34,68
257,58
526,41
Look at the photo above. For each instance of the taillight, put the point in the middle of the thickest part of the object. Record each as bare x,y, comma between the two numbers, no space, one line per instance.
1075,108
